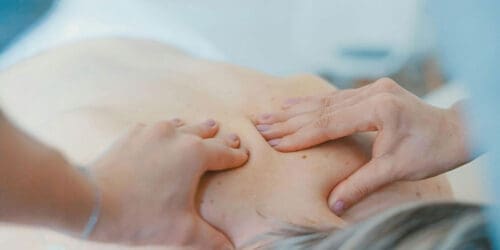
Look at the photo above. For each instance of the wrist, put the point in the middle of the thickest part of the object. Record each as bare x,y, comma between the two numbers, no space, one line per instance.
76,201
108,227
457,133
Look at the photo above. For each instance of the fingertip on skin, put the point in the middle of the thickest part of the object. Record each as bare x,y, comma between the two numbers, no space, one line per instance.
338,207
264,118
274,142
234,140
211,123
241,156
282,145
233,137
279,144
212,127
206,129
246,152
263,127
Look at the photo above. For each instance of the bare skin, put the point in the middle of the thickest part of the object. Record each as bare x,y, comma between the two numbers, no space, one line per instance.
145,175
165,161
92,91
404,124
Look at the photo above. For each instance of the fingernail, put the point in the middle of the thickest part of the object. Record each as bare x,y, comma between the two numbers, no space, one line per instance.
274,142
265,116
210,122
234,137
263,127
338,207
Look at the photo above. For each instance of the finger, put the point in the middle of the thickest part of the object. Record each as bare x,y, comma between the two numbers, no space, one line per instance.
162,128
206,129
270,118
284,123
307,104
336,98
312,104
343,122
280,129
367,179
345,98
207,237
232,140
220,156
292,101
302,105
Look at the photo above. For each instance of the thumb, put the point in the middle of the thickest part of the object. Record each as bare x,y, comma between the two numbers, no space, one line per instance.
367,179
209,238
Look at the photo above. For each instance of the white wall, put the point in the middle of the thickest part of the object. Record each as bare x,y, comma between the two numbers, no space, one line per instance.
287,36
276,36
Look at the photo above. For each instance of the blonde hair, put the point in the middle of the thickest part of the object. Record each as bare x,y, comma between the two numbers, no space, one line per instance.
447,225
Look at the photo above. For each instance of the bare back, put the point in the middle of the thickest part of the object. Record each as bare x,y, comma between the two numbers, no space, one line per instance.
81,97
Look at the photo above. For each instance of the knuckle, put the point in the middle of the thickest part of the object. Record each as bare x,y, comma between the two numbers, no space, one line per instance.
386,99
163,128
283,127
324,107
325,101
392,172
322,122
192,144
387,104
197,152
386,84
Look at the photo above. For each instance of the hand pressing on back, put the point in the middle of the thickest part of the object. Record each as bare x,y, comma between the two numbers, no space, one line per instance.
414,140
149,179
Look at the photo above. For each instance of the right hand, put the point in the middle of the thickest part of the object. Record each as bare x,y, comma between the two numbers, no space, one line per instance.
414,140
149,179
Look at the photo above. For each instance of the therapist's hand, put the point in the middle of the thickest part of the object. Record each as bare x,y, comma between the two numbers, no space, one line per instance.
149,179
414,140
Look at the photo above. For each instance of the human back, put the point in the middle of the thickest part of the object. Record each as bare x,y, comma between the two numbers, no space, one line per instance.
82,96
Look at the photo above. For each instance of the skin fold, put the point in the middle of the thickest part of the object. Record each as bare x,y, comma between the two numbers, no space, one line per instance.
79,98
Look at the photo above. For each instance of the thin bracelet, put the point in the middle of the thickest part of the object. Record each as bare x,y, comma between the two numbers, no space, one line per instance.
96,210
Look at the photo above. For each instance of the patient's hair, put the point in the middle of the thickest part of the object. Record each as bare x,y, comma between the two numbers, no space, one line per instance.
417,226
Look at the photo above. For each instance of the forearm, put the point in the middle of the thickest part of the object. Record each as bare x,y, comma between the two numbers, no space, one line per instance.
38,186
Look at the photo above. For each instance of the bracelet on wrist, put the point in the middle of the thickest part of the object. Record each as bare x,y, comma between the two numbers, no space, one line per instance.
96,209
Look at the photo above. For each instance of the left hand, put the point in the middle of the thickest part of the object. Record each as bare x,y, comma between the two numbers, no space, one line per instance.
414,140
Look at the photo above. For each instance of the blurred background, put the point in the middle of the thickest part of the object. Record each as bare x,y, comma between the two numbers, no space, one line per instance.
348,42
